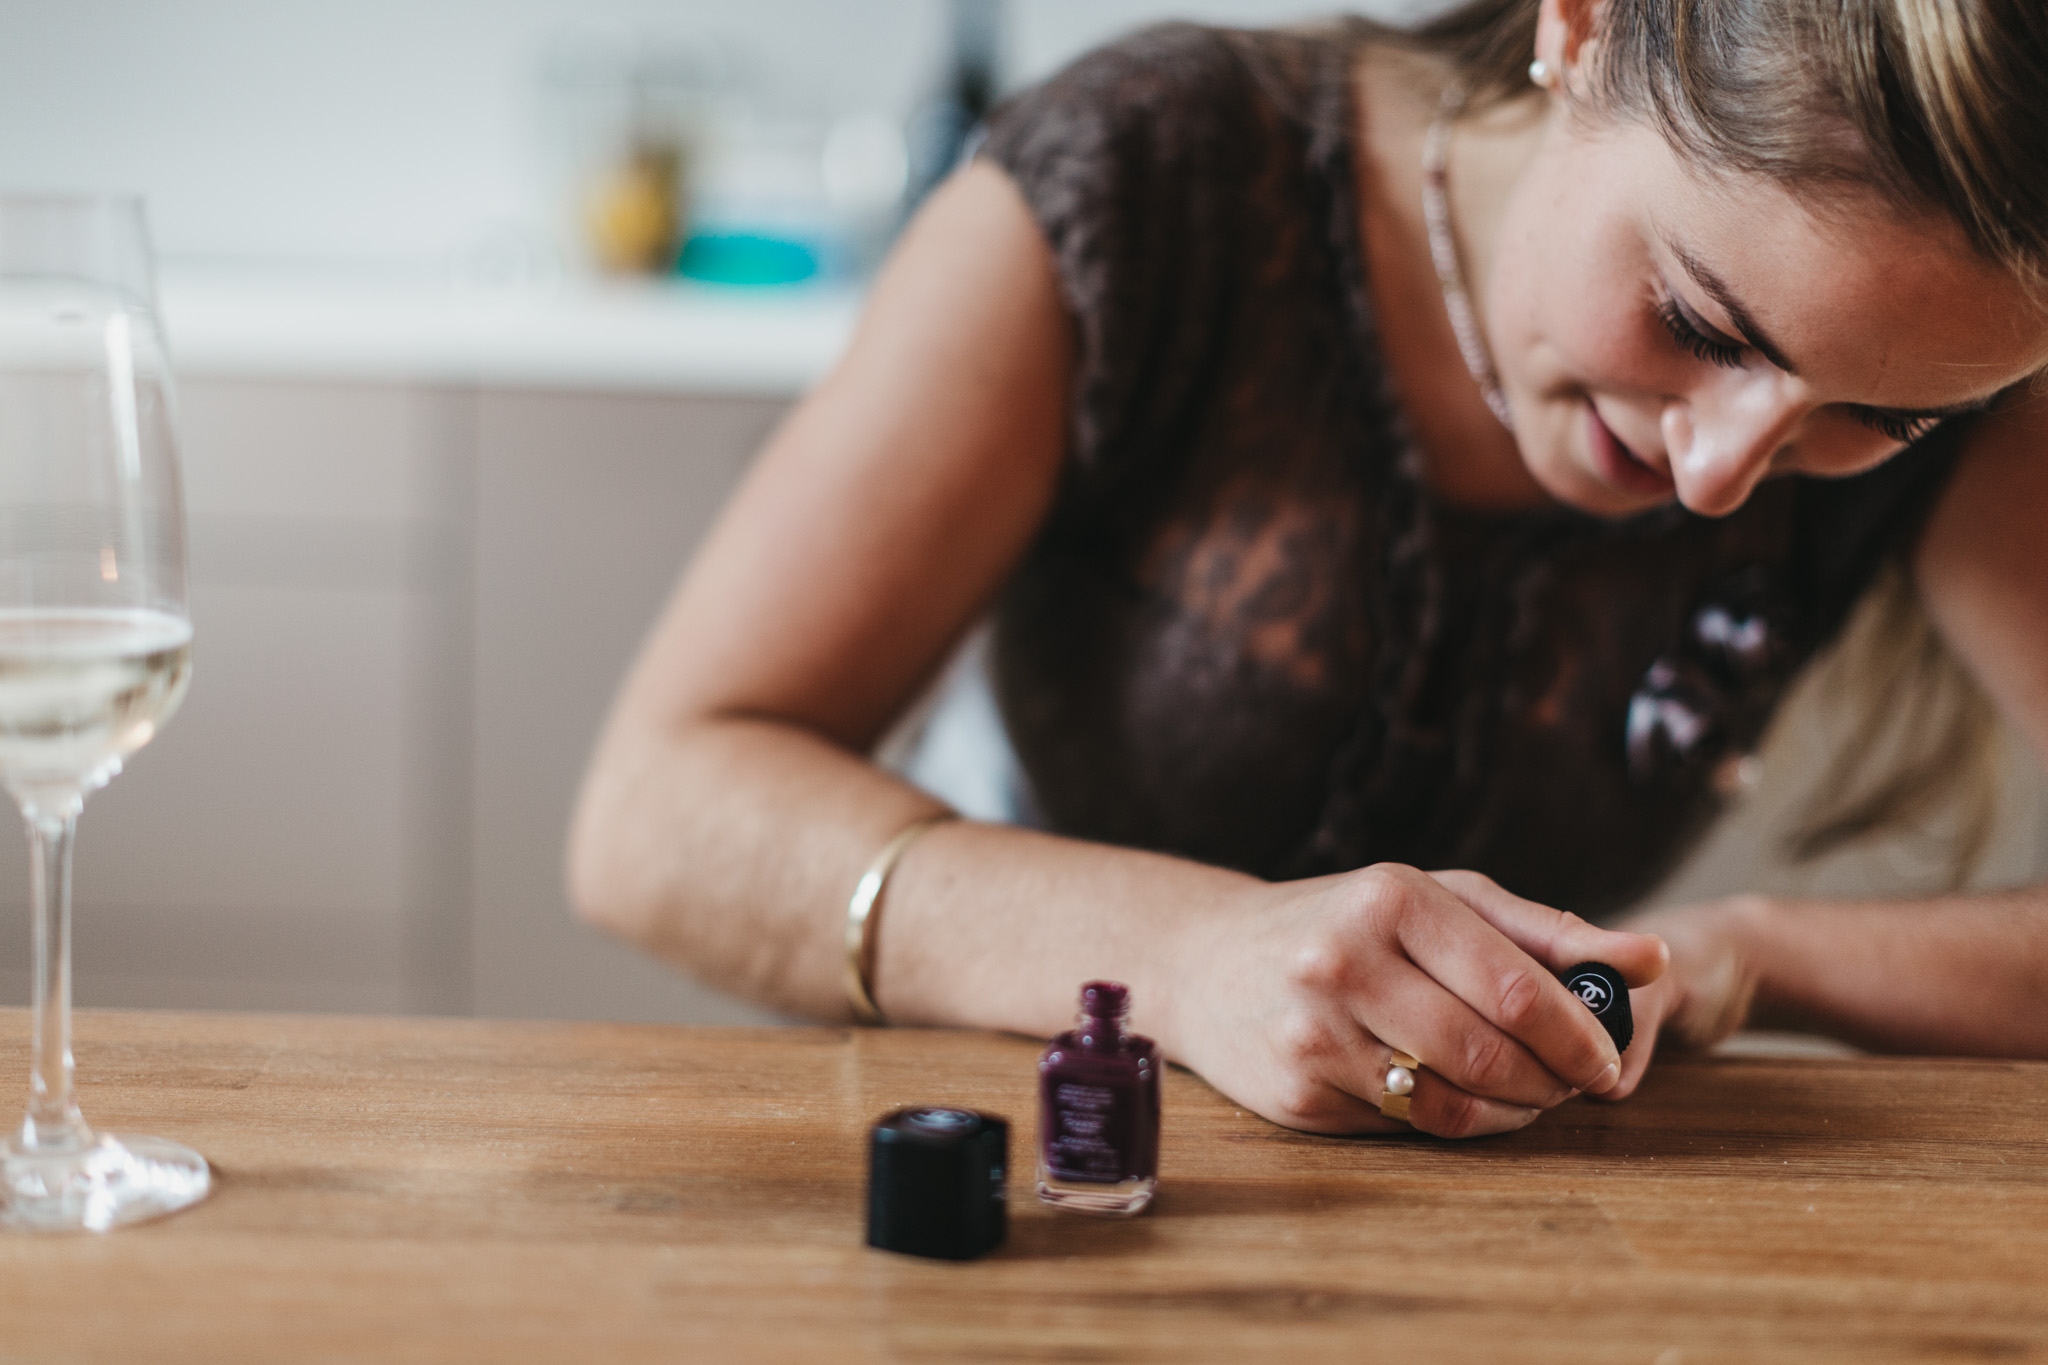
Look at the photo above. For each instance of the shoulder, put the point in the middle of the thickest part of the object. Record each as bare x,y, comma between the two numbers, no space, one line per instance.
1172,93
1160,67
1159,56
1160,170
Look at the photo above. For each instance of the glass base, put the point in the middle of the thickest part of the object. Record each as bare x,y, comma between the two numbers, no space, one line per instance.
1119,1200
111,1182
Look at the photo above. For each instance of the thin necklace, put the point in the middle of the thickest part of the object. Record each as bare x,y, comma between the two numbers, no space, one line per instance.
1443,251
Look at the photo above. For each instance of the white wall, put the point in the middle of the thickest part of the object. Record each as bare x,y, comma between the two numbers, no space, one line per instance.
388,132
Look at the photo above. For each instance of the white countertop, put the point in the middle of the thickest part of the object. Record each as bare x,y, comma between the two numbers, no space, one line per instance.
662,337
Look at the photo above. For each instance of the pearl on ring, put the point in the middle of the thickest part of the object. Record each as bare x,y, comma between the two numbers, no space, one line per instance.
1400,1081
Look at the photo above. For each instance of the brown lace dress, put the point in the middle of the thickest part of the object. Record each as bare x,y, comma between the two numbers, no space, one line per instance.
1248,634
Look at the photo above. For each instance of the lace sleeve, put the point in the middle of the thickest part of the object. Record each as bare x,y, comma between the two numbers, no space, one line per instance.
1134,161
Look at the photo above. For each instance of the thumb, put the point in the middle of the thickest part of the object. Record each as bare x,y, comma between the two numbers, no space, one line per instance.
1555,938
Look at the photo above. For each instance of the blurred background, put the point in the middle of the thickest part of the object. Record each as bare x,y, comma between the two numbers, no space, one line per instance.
480,308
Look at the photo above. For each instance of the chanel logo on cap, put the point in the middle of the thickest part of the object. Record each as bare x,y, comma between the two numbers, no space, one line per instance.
1592,990
1604,991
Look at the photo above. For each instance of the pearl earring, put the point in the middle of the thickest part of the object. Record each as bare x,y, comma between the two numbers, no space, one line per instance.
1541,74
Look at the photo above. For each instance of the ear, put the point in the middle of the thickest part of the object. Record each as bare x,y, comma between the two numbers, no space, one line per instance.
1565,36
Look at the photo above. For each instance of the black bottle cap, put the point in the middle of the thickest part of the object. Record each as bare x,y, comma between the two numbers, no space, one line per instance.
1606,994
935,1182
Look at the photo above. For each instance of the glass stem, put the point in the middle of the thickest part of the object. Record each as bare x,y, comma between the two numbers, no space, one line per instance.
53,1122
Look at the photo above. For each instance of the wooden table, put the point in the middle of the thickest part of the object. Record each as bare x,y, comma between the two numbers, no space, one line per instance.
431,1190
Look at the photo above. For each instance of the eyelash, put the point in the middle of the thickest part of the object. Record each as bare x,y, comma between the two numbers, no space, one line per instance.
1891,425
1691,339
1895,426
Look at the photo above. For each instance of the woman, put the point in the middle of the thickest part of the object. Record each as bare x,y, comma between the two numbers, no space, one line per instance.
1381,453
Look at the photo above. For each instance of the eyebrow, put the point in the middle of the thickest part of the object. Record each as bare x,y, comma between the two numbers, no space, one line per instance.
1745,325
1750,333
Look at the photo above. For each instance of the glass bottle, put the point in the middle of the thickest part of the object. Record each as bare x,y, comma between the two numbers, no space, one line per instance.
1098,1110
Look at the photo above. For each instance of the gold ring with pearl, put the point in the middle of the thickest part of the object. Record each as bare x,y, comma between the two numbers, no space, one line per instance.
1399,1085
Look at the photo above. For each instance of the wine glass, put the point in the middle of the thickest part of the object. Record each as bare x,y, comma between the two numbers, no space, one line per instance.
95,643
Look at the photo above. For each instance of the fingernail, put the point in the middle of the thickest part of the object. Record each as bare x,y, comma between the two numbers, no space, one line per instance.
1606,1080
1513,1119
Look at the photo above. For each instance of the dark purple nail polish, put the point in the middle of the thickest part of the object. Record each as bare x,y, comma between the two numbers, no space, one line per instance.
1098,1110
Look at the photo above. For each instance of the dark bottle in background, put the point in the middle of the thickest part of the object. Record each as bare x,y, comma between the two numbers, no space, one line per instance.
1098,1110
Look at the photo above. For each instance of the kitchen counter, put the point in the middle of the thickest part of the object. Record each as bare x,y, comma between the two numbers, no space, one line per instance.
658,337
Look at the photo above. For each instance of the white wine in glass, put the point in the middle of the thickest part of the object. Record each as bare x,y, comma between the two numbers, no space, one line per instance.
95,642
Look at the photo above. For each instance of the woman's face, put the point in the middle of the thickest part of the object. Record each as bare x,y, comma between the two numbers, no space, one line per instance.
1665,332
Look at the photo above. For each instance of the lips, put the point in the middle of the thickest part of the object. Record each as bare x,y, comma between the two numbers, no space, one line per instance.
1618,464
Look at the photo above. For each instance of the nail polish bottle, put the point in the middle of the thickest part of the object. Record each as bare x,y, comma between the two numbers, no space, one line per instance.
1098,1110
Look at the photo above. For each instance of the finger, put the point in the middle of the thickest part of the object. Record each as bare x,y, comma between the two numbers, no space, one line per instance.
1435,1106
1444,1110
1333,1110
1558,939
1505,985
1351,1067
1651,1013
1413,1011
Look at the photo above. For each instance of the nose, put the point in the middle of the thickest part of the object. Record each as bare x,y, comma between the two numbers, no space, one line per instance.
1722,438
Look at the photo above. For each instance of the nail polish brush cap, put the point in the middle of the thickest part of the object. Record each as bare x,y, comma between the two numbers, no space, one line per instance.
1604,992
935,1182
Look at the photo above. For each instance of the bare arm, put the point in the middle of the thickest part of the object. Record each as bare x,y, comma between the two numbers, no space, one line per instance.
730,807
1963,974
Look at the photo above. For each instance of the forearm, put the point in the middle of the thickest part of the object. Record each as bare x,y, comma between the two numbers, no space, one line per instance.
731,847
1957,975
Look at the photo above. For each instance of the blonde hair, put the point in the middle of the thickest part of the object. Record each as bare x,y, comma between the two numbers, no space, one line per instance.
1936,106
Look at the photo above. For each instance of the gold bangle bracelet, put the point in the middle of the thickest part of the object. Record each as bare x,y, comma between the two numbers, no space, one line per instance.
861,916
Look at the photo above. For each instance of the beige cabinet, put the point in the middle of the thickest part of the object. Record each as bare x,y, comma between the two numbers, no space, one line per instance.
586,508
412,604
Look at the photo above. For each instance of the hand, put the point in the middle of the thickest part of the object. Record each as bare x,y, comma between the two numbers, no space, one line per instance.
1707,992
1293,1002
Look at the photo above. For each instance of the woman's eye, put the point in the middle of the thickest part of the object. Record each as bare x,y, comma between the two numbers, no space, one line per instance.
1895,426
1692,339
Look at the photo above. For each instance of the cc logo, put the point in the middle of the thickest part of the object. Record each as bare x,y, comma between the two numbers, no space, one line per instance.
1592,990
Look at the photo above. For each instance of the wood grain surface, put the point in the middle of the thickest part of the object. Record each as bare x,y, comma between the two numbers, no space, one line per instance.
436,1190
